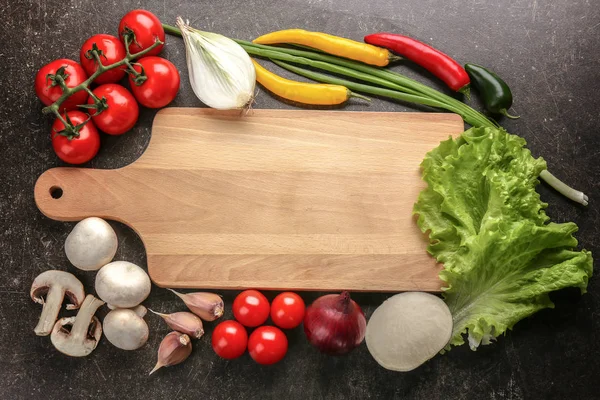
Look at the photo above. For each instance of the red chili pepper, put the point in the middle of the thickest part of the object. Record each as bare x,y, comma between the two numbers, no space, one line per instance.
434,61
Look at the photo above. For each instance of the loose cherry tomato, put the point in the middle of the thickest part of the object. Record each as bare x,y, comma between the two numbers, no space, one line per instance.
267,345
112,51
229,339
287,310
122,112
147,29
161,85
79,149
73,74
251,308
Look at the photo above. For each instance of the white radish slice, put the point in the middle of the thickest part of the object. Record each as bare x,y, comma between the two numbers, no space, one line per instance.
408,329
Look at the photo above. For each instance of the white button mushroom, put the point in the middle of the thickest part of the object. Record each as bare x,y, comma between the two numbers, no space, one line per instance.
91,244
122,284
55,285
125,329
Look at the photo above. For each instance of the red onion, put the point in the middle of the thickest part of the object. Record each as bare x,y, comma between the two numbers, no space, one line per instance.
335,324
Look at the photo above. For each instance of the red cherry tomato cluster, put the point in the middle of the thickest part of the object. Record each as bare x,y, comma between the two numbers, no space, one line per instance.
112,109
267,344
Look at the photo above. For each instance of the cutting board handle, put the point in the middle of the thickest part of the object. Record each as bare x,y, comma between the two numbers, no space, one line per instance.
72,194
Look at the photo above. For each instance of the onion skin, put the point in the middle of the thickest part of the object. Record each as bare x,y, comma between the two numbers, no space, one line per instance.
335,324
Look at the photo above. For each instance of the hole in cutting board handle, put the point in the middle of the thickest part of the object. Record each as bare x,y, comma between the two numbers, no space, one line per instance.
56,192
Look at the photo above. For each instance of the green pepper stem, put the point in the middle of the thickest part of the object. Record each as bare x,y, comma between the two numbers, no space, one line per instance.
358,96
507,115
563,188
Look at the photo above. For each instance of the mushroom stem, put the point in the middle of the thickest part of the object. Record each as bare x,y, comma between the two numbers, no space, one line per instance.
50,310
140,310
84,316
85,330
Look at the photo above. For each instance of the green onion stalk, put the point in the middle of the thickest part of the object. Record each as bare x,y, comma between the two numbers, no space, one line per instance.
380,82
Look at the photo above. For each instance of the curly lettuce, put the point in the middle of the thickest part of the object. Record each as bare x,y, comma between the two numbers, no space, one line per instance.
487,225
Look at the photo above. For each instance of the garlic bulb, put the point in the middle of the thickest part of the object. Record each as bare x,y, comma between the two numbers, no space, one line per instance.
221,72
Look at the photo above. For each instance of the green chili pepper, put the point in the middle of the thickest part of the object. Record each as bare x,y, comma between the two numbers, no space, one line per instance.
495,93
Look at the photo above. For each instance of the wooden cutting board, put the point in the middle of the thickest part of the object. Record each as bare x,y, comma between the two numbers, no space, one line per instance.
274,199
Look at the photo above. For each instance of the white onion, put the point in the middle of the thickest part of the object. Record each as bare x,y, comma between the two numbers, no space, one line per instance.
408,329
221,72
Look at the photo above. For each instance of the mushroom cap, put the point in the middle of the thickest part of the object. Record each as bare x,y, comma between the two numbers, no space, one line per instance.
122,284
91,244
71,286
125,329
66,344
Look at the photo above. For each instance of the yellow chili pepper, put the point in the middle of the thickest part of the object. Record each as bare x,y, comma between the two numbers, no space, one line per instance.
335,45
307,93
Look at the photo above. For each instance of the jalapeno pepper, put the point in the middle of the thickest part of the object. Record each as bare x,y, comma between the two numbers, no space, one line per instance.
495,93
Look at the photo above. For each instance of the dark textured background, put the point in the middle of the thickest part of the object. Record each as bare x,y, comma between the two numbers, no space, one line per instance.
547,50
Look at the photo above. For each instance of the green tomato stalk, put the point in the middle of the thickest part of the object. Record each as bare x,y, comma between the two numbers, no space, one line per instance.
70,130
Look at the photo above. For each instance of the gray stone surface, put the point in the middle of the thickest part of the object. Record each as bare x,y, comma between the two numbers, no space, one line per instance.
548,52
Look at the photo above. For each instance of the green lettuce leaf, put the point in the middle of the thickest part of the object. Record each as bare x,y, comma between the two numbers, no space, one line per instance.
488,227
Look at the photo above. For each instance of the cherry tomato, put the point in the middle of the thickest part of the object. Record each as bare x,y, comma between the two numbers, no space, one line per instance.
147,29
112,51
287,310
48,94
162,84
80,149
251,308
229,339
267,345
122,112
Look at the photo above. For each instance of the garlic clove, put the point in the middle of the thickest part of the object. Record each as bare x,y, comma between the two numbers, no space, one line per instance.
184,322
208,306
174,349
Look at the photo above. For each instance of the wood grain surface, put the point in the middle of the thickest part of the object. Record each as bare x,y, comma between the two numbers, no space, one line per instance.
273,199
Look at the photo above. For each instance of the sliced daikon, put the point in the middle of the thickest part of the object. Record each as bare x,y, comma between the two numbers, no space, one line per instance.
408,329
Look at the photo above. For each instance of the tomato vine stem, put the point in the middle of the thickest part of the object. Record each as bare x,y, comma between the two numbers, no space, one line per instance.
67,92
